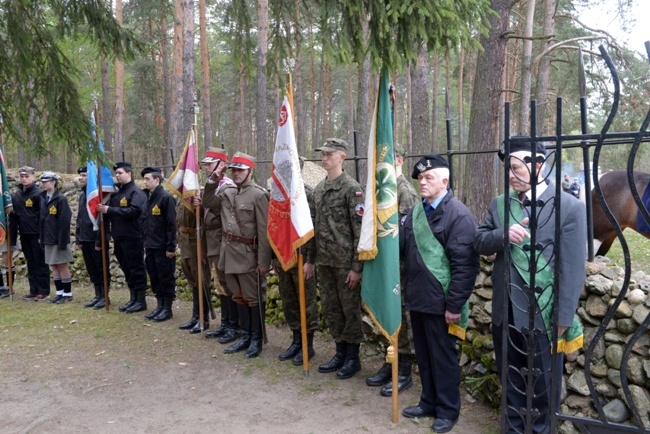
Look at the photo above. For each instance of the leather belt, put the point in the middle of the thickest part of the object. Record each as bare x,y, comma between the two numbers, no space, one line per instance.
186,230
211,227
232,237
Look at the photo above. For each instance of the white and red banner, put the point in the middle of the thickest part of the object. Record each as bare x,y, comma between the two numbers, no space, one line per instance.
93,197
289,223
184,181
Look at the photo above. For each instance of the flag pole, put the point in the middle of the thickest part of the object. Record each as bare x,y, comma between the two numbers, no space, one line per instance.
392,358
100,216
10,277
197,215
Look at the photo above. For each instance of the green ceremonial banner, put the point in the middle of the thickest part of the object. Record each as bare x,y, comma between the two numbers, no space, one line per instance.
379,239
5,202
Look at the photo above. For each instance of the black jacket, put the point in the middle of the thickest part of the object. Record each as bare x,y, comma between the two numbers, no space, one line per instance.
55,220
454,226
126,212
27,209
160,228
84,231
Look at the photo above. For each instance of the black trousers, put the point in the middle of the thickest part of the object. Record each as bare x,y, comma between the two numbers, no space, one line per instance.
437,357
38,272
161,273
94,264
516,382
130,255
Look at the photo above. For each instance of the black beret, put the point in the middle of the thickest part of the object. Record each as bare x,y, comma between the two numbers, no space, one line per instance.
521,143
82,169
428,162
122,165
150,169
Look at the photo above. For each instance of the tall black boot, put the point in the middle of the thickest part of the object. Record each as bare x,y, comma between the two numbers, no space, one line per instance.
140,303
245,323
157,310
195,312
337,361
294,348
297,361
166,311
352,363
206,313
98,295
257,334
382,376
101,303
404,380
225,319
129,303
233,330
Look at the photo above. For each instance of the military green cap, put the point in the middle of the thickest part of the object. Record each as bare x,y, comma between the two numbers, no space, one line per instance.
331,145
399,150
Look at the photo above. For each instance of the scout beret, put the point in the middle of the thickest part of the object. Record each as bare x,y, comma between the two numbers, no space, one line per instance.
82,169
428,162
151,169
521,144
122,165
49,176
26,169
242,161
331,145
212,155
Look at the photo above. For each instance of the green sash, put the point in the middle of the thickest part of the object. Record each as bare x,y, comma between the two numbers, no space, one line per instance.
434,257
572,339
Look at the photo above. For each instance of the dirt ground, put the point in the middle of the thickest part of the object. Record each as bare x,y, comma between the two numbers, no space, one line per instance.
64,369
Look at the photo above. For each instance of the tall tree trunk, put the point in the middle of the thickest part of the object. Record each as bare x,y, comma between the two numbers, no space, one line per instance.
205,77
461,120
187,109
544,70
107,114
409,111
312,101
119,97
434,103
297,96
260,119
176,126
242,107
351,116
484,113
167,89
420,124
160,148
363,107
526,73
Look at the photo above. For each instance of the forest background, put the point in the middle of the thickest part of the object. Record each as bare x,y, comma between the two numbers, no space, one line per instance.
452,62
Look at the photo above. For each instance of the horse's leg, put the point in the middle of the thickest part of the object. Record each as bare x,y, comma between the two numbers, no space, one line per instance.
606,244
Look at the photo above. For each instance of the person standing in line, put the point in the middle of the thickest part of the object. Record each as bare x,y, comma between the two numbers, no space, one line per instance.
575,188
55,235
87,239
160,243
125,215
26,219
440,268
336,207
566,184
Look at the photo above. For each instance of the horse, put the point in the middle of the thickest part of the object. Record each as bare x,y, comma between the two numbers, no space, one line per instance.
616,191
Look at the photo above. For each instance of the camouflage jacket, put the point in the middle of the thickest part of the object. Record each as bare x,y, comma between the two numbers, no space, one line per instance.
406,196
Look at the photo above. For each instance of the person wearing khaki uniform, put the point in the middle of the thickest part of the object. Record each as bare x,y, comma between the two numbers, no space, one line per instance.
245,249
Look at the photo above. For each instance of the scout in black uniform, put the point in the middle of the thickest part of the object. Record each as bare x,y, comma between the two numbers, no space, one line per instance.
55,235
27,205
125,214
160,243
87,239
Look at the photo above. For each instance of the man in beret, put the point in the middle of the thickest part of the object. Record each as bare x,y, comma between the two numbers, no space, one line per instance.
125,217
406,199
440,268
160,243
336,207
25,217
88,240
246,252
528,188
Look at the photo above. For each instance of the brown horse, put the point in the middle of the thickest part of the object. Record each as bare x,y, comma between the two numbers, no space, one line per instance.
616,190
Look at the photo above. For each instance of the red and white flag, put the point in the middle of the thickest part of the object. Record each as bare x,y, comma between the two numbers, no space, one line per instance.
184,181
289,223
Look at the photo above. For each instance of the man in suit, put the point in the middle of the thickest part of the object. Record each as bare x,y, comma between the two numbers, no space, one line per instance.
533,208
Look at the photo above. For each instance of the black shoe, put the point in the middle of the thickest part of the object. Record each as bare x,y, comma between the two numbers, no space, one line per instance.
294,348
41,297
190,324
197,327
100,304
337,361
403,383
29,296
164,315
65,299
297,361
443,425
231,335
56,299
137,306
352,363
4,293
415,411
255,348
216,333
126,306
242,344
92,302
382,376
153,313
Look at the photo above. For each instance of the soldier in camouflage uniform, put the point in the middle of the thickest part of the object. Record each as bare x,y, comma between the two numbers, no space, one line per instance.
337,207
288,287
406,198
245,249
228,331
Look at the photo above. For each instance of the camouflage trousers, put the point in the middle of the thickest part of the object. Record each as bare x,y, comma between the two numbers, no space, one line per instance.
288,287
341,305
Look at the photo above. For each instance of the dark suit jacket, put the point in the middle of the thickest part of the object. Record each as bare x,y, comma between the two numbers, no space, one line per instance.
489,239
